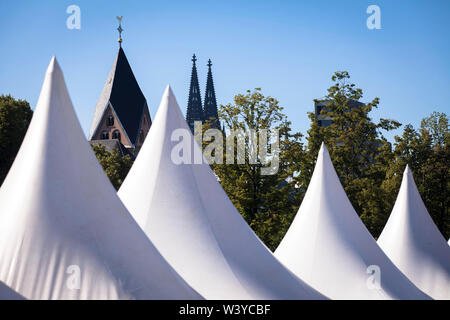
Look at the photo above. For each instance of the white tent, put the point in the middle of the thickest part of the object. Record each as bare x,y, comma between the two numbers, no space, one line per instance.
415,245
6,293
328,246
64,233
190,219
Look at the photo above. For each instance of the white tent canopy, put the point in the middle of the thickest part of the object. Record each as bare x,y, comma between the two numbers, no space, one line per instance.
6,293
328,246
64,233
413,242
190,219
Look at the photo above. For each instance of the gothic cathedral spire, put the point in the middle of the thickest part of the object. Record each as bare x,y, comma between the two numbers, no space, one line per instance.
210,111
194,108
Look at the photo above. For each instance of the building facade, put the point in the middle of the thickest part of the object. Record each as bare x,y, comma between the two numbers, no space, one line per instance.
319,105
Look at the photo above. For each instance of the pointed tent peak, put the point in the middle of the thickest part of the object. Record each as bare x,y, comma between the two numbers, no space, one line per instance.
323,149
407,170
323,157
200,220
168,91
53,66
328,246
409,185
54,85
408,177
409,203
169,101
414,244
169,98
72,217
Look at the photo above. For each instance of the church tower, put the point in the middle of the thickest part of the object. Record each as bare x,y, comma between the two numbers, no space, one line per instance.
194,108
121,119
210,110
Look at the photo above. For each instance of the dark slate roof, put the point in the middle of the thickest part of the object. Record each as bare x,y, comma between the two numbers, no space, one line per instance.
113,144
122,91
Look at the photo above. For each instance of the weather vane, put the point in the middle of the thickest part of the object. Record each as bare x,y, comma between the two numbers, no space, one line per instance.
120,29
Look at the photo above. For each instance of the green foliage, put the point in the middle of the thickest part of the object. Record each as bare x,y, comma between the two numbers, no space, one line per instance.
369,167
267,202
271,227
357,147
115,166
427,152
437,126
15,116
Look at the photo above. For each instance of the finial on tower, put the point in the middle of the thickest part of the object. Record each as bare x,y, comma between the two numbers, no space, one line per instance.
194,58
209,63
120,29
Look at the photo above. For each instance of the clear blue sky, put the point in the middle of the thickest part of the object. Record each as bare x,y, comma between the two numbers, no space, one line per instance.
288,48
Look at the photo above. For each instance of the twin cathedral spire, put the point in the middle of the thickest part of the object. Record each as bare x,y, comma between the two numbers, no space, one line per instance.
195,111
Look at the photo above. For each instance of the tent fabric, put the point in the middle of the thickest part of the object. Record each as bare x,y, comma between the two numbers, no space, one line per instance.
328,246
64,233
6,293
414,244
188,216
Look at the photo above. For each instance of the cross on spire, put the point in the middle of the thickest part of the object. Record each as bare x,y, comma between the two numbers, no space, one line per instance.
120,29
209,63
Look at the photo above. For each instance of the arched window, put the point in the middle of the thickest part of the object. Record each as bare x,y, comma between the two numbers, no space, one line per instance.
116,134
110,121
105,135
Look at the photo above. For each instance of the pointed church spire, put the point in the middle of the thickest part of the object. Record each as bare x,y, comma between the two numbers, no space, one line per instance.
210,111
194,108
121,112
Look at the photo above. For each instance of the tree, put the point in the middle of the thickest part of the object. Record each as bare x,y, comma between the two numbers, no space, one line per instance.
427,152
115,166
437,126
358,149
15,116
266,201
